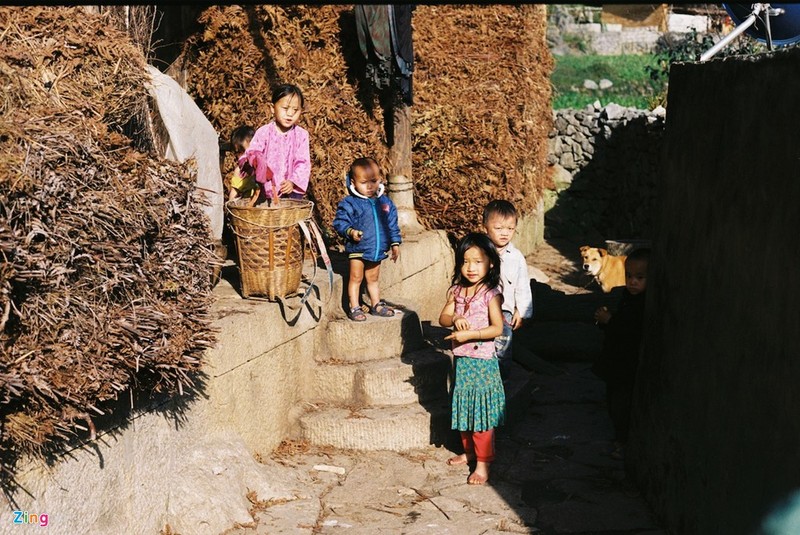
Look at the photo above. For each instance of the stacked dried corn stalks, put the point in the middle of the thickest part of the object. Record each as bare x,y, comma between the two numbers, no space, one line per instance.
105,278
482,97
483,112
245,51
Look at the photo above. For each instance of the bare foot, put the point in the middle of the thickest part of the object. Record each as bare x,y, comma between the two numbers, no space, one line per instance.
480,475
460,459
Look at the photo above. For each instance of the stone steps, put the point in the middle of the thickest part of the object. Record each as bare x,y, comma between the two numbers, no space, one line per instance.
379,386
402,427
377,338
395,428
417,376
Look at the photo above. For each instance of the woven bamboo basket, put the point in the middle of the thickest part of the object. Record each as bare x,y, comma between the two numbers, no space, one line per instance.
270,246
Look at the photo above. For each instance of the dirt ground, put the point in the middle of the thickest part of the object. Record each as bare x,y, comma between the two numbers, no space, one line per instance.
553,473
560,261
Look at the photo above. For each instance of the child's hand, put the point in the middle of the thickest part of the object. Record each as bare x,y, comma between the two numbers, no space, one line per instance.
459,336
461,323
516,321
602,315
356,235
286,187
254,198
395,252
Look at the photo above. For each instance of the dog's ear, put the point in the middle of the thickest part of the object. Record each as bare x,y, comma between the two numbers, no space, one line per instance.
603,252
584,248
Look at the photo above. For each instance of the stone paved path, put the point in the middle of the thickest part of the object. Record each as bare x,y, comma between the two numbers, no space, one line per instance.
553,475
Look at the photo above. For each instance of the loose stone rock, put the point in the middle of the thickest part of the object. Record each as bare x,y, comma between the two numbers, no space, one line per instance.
327,468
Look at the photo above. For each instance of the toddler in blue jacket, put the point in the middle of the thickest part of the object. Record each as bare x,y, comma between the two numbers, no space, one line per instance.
368,220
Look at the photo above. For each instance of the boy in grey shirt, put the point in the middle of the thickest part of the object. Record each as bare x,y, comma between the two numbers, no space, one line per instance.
500,221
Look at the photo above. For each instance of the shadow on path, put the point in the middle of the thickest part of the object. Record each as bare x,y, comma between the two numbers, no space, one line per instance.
553,474
555,459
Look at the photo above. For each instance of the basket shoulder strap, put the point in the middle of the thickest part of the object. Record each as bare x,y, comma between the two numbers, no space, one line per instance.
309,227
323,251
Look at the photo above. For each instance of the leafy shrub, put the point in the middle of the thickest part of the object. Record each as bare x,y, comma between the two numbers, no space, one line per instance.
680,48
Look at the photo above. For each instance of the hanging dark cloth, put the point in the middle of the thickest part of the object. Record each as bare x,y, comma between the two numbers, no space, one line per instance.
374,39
403,48
384,37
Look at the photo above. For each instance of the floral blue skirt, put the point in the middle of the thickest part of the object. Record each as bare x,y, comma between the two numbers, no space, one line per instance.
479,401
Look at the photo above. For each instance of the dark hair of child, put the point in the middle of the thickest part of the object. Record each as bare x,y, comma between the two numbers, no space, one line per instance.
286,90
499,207
481,241
639,254
240,135
364,163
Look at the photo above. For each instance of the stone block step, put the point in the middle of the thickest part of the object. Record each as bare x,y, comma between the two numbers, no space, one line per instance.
417,376
404,427
374,339
396,428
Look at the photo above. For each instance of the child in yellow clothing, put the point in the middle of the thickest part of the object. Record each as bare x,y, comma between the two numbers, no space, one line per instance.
243,181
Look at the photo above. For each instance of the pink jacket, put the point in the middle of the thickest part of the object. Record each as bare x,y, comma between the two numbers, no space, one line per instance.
285,155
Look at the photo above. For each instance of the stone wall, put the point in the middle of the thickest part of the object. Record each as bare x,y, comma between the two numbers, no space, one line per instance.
716,432
606,163
190,464
614,39
626,41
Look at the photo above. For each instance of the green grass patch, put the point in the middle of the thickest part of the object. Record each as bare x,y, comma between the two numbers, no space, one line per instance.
632,83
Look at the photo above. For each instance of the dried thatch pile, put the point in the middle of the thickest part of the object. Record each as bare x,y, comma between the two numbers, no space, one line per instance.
482,97
483,111
245,51
104,277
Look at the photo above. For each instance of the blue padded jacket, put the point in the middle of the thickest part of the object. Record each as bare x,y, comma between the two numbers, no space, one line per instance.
376,217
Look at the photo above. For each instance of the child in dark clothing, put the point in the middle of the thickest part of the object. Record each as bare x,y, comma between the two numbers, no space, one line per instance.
620,356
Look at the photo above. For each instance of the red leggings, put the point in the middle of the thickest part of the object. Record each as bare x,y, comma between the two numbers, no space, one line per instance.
479,442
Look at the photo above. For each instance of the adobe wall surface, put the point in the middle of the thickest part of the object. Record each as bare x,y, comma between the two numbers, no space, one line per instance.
530,229
716,433
190,467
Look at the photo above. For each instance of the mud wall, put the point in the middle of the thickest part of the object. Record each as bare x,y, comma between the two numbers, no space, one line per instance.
716,432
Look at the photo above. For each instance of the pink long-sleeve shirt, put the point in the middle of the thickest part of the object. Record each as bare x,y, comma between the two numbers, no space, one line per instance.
285,154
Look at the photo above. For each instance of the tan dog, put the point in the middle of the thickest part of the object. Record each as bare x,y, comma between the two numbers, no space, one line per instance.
607,270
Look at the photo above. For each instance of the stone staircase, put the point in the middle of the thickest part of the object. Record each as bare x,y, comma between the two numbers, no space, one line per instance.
380,386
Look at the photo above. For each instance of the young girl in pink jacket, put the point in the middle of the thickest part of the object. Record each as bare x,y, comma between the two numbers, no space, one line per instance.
279,151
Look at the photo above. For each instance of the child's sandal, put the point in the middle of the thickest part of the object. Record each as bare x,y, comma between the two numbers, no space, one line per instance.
382,309
356,314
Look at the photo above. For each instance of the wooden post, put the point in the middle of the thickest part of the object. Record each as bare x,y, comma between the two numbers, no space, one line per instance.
401,185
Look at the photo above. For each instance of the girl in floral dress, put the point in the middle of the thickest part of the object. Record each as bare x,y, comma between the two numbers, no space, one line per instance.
473,309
